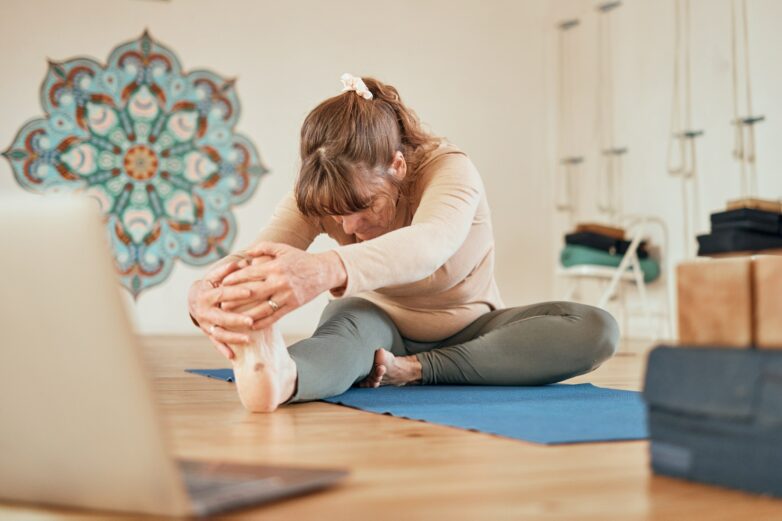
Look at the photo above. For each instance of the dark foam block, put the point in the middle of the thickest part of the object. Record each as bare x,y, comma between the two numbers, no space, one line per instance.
747,214
714,416
549,414
748,225
727,241
747,219
604,243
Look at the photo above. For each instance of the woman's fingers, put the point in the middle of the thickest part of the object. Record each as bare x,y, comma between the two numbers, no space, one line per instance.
262,310
271,249
217,273
227,319
222,348
261,259
283,303
251,273
267,321
236,304
227,293
229,337
260,292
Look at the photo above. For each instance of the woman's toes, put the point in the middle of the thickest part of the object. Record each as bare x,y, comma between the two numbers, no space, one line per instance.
373,378
380,371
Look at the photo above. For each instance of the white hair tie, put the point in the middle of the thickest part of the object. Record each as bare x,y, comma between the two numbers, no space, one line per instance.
355,83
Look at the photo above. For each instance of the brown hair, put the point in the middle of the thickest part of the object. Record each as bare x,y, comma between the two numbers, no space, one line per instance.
348,144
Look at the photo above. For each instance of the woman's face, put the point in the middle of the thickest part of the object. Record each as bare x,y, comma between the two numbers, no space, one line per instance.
373,221
379,217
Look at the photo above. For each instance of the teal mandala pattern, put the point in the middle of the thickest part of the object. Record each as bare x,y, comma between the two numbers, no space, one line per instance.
154,145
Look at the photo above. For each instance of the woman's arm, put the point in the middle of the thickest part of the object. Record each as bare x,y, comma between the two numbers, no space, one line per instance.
289,226
438,229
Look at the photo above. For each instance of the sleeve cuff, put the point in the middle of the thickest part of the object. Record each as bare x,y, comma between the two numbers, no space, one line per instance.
349,289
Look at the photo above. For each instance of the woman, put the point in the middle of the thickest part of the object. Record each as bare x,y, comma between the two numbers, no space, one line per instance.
413,275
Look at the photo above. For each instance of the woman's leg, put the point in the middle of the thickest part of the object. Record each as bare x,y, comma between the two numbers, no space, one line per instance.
269,374
531,345
340,352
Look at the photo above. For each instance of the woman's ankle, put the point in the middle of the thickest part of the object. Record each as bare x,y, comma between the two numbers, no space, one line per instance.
414,369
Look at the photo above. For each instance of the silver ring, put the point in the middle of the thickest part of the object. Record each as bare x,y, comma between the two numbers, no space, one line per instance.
273,305
212,329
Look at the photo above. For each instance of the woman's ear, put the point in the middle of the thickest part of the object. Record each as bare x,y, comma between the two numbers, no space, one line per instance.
399,165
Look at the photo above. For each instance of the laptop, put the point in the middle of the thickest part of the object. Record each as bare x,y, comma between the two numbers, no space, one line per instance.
79,424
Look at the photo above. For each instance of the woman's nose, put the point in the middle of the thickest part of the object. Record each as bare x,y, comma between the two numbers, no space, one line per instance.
349,223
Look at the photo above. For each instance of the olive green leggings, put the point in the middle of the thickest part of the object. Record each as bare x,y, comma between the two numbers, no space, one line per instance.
529,345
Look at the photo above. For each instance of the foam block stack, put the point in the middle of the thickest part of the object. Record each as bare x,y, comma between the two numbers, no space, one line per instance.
746,226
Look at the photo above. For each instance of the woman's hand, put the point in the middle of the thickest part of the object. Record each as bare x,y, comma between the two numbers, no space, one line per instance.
204,301
293,278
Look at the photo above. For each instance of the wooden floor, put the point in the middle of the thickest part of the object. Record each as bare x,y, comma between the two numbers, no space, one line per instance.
403,470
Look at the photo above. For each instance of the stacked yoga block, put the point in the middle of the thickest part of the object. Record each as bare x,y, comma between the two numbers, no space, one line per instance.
746,225
714,401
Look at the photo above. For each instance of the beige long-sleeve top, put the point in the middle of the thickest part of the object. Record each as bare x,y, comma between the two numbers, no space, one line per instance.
433,273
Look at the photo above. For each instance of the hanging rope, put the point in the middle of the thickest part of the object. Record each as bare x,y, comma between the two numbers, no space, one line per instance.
682,136
567,161
744,149
610,167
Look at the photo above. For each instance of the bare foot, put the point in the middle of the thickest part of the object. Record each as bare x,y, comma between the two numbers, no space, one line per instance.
265,373
393,370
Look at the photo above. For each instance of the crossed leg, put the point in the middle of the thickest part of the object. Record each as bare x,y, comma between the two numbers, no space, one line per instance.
530,345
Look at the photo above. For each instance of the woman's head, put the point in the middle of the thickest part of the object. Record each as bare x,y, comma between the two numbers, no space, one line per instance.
358,157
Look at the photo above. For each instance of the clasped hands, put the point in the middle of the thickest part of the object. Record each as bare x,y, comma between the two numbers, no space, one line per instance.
232,300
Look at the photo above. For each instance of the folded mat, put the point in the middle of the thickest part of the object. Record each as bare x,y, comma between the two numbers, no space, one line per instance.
714,415
603,229
575,255
605,243
754,203
549,414
728,241
746,225
747,219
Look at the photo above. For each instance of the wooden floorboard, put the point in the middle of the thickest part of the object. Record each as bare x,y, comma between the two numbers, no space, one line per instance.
403,469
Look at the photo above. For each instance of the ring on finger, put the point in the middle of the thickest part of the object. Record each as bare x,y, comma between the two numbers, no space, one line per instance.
212,329
273,305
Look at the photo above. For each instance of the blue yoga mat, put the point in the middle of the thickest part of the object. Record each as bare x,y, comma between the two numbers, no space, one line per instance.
226,375
549,414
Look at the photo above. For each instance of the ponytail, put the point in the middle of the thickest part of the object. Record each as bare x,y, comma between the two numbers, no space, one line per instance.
347,139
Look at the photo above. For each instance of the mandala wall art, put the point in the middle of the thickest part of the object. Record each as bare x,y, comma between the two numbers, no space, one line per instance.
154,145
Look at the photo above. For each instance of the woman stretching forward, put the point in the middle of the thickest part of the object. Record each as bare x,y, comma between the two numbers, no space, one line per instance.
412,280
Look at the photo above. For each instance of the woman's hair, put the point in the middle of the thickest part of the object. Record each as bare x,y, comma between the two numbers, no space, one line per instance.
348,144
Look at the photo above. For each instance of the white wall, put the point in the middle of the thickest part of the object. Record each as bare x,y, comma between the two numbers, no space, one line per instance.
472,70
481,73
643,58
